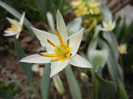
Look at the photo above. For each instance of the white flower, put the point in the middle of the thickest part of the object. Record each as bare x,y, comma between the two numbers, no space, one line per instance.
108,26
122,48
61,49
16,27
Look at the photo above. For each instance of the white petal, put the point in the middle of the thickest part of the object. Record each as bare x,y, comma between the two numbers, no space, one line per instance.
9,33
17,35
61,26
22,19
58,66
49,48
43,36
12,21
15,23
104,29
79,61
36,58
75,41
104,24
114,24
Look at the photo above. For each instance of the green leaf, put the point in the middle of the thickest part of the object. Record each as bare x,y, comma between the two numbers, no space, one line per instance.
113,65
113,44
26,67
107,89
74,26
43,7
98,57
93,43
106,13
73,83
16,14
45,82
122,92
112,61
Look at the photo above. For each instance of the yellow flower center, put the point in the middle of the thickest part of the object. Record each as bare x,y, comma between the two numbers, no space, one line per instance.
62,51
13,27
110,27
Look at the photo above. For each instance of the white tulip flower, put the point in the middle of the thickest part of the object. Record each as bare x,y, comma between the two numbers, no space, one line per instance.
61,49
108,26
16,27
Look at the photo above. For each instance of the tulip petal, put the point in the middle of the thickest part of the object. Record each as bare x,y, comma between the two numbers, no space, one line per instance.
61,26
79,61
17,35
75,41
9,33
22,19
13,22
58,66
36,58
43,36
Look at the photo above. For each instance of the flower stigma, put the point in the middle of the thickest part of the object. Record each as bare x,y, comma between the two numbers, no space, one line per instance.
62,50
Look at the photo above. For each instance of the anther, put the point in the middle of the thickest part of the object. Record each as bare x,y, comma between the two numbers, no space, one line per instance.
50,42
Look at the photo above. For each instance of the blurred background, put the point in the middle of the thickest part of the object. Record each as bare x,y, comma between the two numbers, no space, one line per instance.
13,81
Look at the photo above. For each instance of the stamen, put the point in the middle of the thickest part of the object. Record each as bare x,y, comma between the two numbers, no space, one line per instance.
59,37
48,55
67,43
69,54
50,42
9,29
55,59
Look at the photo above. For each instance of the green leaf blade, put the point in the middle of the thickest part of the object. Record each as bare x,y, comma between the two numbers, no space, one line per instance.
73,83
26,67
45,82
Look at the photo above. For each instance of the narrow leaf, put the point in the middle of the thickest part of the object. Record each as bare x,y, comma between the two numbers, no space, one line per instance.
122,92
45,82
26,67
73,83
106,13
107,89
